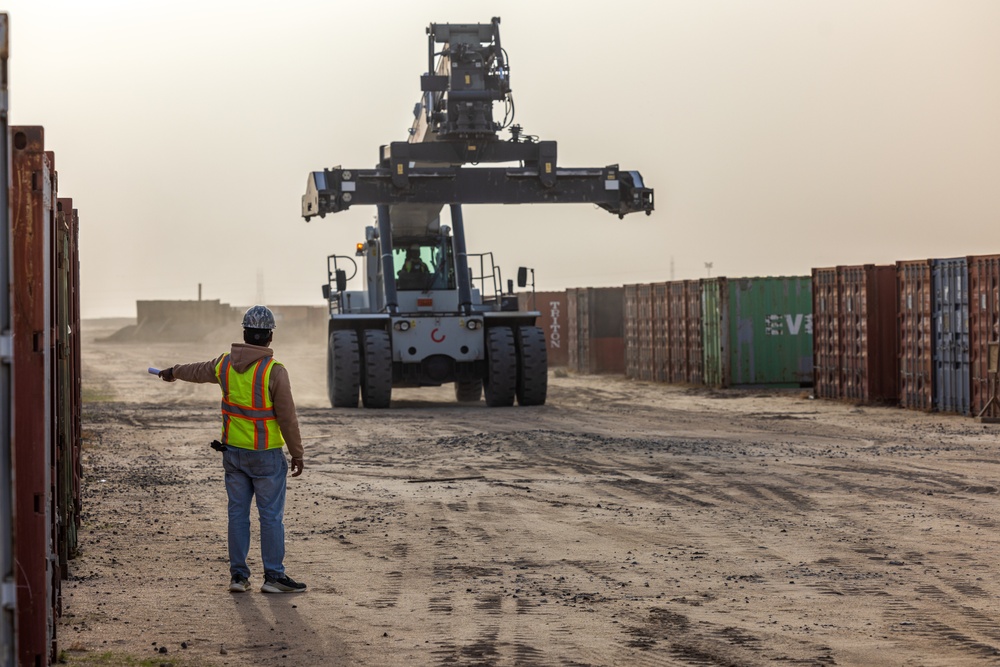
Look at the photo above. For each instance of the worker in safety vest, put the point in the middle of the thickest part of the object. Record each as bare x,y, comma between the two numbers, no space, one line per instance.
258,421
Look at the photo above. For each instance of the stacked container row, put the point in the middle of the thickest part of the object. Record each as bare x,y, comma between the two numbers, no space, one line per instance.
40,384
721,332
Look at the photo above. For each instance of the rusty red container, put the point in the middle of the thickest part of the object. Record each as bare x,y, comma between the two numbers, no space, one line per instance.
631,330
677,328
595,320
692,293
551,307
661,332
32,200
827,371
915,288
868,337
646,332
984,326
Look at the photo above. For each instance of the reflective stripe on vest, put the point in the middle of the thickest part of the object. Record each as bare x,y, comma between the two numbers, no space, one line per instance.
248,418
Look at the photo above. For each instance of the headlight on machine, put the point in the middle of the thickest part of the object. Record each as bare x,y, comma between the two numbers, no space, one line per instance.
472,325
402,325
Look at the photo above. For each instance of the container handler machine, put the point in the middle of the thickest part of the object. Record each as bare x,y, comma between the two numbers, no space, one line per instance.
432,313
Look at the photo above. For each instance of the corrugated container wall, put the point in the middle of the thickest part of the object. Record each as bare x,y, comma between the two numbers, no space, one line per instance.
951,336
916,342
596,329
631,329
714,328
677,332
984,326
551,307
827,372
692,294
758,331
31,208
647,356
662,359
7,575
868,340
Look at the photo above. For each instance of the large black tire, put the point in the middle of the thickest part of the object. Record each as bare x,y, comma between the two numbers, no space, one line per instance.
500,383
343,369
532,366
469,392
376,372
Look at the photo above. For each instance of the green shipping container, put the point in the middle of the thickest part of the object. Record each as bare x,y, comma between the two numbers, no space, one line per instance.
757,331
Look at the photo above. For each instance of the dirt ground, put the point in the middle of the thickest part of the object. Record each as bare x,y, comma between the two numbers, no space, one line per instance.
623,523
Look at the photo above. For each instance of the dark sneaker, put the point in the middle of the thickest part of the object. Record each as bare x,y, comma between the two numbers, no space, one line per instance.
282,584
239,584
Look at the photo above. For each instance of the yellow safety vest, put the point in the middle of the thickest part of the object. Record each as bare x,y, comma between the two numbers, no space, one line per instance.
248,419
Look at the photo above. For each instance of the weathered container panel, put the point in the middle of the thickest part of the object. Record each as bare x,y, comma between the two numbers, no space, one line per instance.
916,341
715,331
984,327
868,348
646,333
677,332
661,333
631,329
827,371
8,655
951,336
32,199
770,331
596,317
551,307
692,293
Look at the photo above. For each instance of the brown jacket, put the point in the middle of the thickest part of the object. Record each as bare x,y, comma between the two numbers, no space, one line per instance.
243,357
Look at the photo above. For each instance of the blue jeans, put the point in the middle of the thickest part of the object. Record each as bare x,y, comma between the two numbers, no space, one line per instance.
261,473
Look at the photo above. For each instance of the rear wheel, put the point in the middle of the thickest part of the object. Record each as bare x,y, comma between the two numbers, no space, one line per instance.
500,383
469,392
532,366
343,369
376,376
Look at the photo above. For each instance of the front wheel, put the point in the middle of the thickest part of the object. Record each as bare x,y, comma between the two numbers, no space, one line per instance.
532,366
500,383
376,376
343,369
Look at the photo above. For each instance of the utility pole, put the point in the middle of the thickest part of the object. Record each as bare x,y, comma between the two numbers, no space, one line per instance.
708,267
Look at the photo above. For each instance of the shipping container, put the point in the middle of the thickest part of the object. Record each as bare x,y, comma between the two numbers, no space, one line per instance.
692,293
677,332
647,355
36,569
595,319
868,339
984,331
952,382
916,341
662,351
8,655
758,331
714,331
630,294
551,307
827,370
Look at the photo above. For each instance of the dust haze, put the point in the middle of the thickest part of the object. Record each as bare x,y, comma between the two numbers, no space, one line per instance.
779,135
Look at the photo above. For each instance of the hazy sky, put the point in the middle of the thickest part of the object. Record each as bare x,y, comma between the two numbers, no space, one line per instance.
779,134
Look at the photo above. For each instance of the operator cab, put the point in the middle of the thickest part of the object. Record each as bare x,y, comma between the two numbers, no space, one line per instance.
425,264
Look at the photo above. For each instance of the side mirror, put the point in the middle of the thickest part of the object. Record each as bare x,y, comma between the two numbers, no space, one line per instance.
326,291
341,280
522,276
